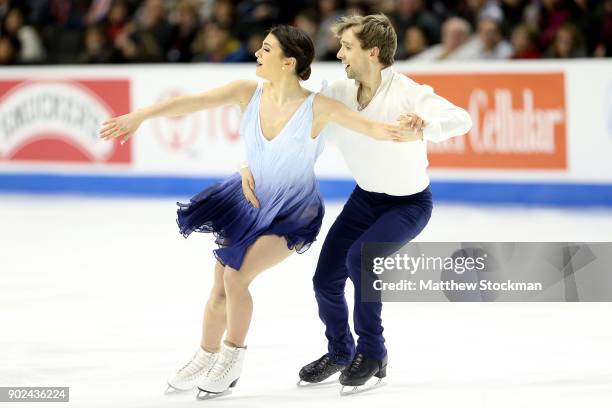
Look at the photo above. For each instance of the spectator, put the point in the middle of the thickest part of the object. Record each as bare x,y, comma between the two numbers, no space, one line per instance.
98,10
455,33
513,12
487,44
387,7
66,14
524,43
307,20
30,45
478,10
546,17
415,42
36,9
52,31
215,43
326,44
256,15
412,13
568,43
97,49
117,20
9,50
254,42
183,33
8,5
5,6
223,12
357,8
332,45
604,36
446,9
582,13
146,39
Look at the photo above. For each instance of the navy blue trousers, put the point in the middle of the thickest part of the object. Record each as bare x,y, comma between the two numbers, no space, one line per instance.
366,217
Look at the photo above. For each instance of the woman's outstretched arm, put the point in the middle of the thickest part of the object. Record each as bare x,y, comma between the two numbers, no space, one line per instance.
330,110
236,92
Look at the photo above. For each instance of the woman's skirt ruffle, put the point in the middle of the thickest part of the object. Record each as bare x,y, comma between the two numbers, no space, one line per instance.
222,210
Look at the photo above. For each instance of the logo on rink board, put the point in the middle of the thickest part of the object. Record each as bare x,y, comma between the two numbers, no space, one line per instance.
59,120
177,132
519,120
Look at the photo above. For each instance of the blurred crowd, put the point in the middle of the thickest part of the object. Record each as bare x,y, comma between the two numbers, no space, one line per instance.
130,31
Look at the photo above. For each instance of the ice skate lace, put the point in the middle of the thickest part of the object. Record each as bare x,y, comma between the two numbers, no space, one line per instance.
356,363
223,365
322,362
194,366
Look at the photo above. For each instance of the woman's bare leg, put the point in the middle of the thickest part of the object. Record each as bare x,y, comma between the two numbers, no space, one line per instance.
266,252
214,322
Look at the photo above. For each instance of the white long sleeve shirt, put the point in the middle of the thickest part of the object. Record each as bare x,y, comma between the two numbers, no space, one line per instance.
386,167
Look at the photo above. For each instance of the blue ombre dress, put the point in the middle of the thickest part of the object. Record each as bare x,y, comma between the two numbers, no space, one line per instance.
285,185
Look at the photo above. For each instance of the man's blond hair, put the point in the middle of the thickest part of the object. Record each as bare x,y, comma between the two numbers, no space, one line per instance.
372,31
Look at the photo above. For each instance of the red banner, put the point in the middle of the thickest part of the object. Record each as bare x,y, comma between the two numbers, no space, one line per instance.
519,120
59,121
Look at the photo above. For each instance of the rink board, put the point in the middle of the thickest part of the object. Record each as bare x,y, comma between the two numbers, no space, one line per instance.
542,131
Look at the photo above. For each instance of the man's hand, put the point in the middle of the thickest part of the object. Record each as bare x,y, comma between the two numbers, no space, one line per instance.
412,124
248,186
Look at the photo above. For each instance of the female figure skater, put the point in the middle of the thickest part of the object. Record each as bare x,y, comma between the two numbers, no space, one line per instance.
280,124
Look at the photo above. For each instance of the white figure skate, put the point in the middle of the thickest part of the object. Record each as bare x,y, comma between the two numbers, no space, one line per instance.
223,374
186,379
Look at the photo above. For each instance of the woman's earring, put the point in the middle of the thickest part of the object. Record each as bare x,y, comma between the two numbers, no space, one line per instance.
283,68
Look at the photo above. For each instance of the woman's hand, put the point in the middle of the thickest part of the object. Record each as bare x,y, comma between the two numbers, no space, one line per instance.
409,129
121,126
248,186
411,126
397,133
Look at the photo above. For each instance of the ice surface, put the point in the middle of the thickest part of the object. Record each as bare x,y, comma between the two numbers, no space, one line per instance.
104,296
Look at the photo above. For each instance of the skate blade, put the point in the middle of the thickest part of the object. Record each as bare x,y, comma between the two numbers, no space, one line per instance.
173,391
205,395
358,389
305,384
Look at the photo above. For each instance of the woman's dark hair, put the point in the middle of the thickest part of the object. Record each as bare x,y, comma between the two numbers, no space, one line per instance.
295,43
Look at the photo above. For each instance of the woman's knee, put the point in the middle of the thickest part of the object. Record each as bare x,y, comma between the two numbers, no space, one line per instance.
217,296
217,293
234,280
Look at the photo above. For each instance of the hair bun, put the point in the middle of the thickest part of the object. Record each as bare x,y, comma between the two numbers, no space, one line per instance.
304,75
295,43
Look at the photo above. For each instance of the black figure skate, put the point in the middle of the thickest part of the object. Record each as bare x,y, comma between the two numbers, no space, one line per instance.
318,371
361,369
